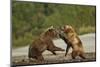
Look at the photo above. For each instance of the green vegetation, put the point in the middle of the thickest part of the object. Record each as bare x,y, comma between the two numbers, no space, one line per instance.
30,19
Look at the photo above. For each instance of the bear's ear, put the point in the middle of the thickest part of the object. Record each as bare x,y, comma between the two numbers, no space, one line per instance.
67,26
51,27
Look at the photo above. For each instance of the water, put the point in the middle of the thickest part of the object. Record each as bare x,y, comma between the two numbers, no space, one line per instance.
88,41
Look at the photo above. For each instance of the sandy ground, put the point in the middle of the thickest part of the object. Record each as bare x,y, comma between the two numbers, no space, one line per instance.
52,59
19,55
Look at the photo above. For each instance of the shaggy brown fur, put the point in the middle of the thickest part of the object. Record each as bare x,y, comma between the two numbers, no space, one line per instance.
44,42
72,40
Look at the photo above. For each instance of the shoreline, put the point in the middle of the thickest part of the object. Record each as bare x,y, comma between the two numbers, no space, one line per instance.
52,59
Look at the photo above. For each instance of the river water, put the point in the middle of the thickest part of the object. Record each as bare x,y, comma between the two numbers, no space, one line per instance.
88,41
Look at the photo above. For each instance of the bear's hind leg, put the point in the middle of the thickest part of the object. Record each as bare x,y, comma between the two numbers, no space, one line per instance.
39,56
74,54
82,56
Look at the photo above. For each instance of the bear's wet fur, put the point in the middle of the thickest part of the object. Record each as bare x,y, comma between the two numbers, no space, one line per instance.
73,41
44,42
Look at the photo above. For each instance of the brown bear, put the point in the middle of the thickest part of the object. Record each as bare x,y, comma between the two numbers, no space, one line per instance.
73,41
44,42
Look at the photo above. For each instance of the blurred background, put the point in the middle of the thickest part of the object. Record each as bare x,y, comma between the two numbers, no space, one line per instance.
30,19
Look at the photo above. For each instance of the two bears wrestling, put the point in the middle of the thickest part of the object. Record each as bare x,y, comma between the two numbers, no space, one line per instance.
44,42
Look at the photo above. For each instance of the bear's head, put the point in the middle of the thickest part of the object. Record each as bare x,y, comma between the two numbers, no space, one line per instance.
51,32
68,29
